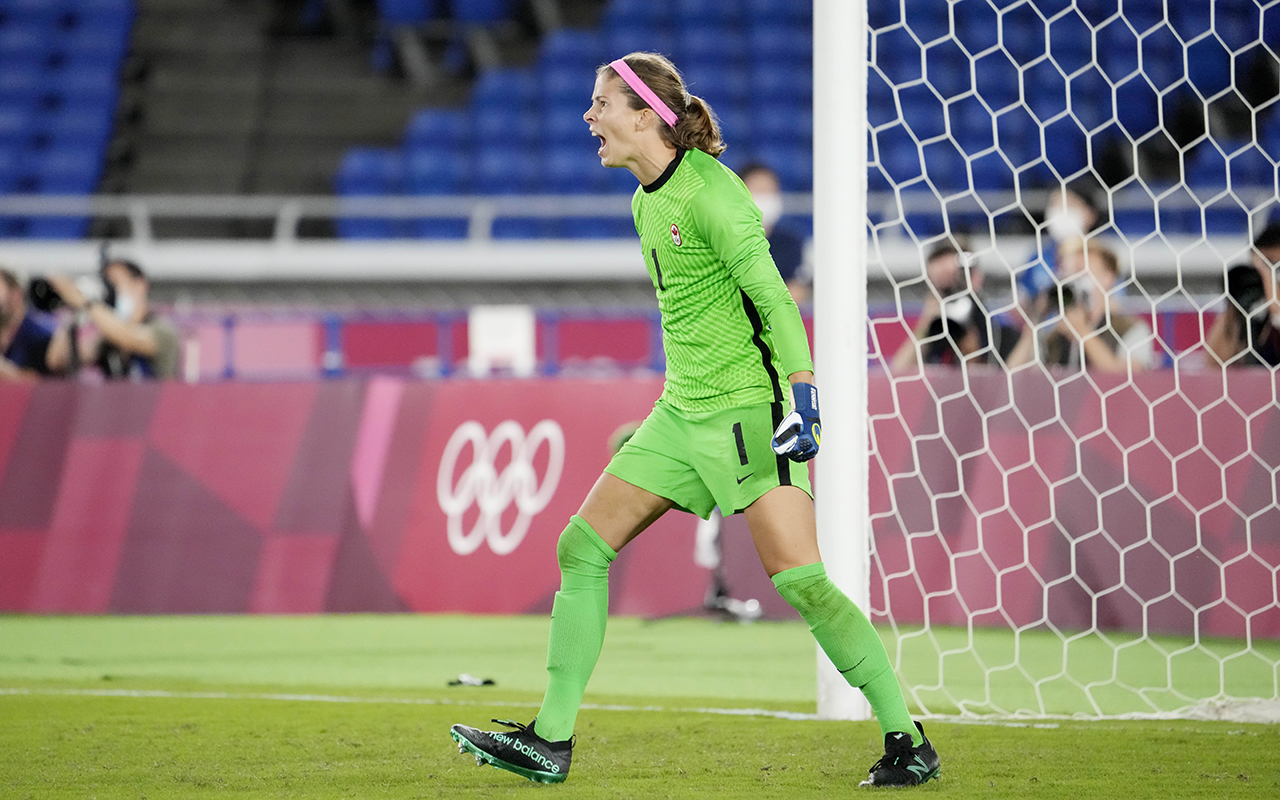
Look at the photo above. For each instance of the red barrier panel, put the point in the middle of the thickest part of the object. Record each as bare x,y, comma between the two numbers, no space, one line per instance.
1152,502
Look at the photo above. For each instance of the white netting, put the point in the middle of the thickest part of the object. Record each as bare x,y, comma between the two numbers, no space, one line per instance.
1052,538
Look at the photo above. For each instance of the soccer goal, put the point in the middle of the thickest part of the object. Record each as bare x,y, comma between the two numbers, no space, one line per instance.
1073,493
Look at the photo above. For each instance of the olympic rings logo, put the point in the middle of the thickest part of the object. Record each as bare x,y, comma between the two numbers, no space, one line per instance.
482,484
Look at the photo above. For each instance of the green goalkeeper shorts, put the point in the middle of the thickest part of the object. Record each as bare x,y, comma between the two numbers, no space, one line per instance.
700,461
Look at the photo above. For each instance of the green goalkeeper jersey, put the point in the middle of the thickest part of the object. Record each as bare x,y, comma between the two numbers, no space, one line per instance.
730,330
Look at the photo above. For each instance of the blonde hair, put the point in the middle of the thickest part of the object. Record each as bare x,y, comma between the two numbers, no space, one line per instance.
697,127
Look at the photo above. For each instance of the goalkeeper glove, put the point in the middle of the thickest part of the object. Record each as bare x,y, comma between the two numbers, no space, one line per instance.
800,433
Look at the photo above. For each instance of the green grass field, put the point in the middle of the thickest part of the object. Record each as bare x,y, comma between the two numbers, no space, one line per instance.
338,706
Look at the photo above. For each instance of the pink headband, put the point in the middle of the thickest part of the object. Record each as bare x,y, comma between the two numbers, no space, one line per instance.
646,94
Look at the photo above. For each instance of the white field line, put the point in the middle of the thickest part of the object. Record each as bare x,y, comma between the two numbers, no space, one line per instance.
431,701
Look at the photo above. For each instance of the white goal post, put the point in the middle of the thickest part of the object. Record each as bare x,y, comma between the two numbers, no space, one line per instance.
1048,534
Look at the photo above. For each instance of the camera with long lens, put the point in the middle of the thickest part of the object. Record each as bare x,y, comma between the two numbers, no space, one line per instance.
42,295
1249,302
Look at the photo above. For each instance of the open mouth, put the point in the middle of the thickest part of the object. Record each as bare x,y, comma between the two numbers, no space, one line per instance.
599,136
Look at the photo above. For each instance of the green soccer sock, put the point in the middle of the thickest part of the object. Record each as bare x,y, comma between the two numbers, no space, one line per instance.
578,618
849,640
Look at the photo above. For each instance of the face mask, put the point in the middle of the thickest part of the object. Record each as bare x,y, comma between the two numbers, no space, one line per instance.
126,304
770,208
1065,225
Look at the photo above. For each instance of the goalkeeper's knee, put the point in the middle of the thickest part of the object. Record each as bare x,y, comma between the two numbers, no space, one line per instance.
581,551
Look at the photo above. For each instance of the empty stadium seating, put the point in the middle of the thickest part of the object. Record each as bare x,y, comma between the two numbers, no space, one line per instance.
59,81
751,60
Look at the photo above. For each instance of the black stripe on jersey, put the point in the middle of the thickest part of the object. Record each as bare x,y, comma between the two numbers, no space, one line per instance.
757,336
666,173
742,445
657,268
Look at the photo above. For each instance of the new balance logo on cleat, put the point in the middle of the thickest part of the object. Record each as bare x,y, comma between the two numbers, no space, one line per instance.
520,751
904,764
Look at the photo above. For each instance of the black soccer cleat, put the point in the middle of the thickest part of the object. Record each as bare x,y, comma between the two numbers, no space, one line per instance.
902,764
520,751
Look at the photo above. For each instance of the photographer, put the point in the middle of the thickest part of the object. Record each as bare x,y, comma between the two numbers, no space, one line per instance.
24,338
1247,332
953,327
1091,329
131,342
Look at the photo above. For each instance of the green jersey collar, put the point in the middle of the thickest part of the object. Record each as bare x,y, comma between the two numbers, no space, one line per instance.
666,173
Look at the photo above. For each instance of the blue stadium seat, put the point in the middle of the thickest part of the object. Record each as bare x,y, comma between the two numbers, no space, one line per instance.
8,169
597,228
17,125
1137,108
793,163
1070,43
77,125
525,228
637,14
738,125
565,84
408,12
1091,101
23,41
1208,67
710,42
882,107
780,43
970,124
563,126
505,169
575,49
721,12
798,13
435,171
1065,148
922,112
624,40
898,153
944,167
102,47
717,83
568,170
898,56
771,84
1252,167
42,12
786,124
928,21
996,80
512,125
1022,32
70,170
82,87
481,12
992,172
22,84
947,69
438,128
1018,136
370,171
506,87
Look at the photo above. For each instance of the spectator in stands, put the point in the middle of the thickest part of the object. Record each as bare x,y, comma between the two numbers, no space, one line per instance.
786,245
954,327
24,335
1252,292
131,341
1091,327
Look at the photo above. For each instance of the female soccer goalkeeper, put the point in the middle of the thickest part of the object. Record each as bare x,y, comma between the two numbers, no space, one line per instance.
718,435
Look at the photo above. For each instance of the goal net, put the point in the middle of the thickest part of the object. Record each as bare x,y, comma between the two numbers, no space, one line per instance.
1073,461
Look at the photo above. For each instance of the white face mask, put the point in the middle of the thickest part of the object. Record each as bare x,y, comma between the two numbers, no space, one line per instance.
126,304
770,208
1065,225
